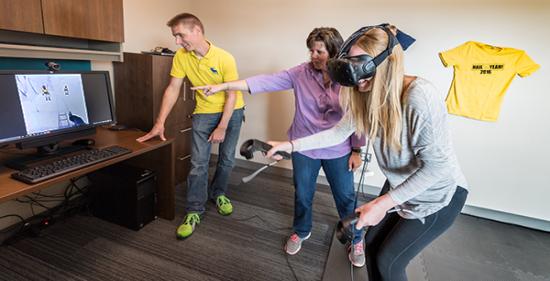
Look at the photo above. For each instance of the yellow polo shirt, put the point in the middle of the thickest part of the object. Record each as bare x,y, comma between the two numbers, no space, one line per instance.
217,66
482,73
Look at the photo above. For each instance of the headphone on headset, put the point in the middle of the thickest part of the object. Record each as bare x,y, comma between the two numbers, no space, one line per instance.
349,70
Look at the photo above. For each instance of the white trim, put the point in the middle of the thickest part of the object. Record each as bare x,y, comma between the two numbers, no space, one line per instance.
507,218
499,216
488,214
24,51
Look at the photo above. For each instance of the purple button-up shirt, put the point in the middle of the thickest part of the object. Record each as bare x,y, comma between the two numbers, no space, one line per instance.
317,107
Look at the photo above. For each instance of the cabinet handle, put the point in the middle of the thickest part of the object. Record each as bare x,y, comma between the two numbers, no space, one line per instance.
181,158
185,130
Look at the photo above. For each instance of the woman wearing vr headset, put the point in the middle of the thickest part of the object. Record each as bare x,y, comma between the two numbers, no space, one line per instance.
407,124
317,109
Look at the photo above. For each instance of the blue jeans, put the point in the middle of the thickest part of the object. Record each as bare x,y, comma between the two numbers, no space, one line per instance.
197,180
306,171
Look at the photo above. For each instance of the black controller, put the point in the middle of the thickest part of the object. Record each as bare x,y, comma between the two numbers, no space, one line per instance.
252,145
345,230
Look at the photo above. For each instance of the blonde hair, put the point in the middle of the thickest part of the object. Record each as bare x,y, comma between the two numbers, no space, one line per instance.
379,112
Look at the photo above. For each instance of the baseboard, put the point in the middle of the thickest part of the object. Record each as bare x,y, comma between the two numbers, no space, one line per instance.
475,211
500,216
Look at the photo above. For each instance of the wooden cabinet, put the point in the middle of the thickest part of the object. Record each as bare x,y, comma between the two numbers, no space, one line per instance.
140,82
88,19
183,153
21,15
100,20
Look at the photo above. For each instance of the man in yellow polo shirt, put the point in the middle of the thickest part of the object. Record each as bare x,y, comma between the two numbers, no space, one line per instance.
216,119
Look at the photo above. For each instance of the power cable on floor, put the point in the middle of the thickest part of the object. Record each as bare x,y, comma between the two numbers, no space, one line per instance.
366,158
269,225
360,189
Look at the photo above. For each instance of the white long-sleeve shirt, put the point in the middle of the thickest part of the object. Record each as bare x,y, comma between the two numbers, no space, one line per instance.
423,176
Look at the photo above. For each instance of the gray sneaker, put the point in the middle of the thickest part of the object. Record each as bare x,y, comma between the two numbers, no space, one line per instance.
294,243
357,254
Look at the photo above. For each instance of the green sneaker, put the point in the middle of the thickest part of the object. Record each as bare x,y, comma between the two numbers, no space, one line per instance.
188,226
224,205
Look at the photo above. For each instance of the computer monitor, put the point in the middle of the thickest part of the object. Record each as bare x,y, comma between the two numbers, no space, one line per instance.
41,108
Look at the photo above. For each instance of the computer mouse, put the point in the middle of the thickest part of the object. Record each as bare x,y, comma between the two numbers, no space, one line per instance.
118,127
84,142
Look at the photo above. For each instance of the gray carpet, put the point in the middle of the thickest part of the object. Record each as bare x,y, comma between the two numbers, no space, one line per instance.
472,249
244,246
248,245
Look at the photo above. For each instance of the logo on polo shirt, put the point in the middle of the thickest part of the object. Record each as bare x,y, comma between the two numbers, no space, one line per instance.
213,70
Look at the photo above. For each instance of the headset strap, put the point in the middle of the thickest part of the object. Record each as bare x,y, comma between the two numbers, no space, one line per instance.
346,46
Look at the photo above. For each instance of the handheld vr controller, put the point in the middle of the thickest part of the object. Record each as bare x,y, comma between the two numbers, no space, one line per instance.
252,145
345,230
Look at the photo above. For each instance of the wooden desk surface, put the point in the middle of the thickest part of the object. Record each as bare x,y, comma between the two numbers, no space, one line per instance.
11,188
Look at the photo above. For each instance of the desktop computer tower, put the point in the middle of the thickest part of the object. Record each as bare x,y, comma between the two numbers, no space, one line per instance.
124,195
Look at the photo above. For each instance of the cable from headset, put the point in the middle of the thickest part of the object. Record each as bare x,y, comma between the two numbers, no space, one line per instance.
366,160
360,189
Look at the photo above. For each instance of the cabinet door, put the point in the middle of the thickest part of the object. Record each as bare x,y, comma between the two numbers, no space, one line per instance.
183,153
21,15
133,87
161,79
185,105
89,19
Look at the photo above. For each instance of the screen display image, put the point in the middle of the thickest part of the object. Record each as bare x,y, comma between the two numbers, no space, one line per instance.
39,106
51,102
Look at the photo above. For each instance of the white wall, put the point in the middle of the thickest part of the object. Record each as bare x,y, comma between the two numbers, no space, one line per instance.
503,161
145,26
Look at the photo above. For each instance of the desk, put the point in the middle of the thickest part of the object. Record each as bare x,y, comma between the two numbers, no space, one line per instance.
155,155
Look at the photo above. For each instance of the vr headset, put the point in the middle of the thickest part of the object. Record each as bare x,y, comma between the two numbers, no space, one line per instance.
347,71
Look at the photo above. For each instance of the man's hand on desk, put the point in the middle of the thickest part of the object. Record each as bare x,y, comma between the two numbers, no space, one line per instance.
157,130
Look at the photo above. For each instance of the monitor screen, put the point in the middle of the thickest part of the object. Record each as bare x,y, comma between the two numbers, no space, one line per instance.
38,105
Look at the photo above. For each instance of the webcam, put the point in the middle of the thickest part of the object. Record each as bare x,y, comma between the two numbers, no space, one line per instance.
53,66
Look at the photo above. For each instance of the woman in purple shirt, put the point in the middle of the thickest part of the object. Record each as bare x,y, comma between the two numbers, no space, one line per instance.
317,109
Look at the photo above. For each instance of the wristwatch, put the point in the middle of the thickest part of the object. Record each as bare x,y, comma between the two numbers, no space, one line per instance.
356,149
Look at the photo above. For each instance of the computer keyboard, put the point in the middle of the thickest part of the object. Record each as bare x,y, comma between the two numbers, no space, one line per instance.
65,164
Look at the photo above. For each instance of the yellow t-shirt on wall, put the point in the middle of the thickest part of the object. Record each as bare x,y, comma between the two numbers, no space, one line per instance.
482,73
217,66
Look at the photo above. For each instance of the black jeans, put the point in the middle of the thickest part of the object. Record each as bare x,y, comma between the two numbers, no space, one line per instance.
395,241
